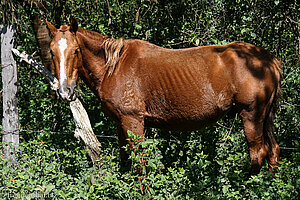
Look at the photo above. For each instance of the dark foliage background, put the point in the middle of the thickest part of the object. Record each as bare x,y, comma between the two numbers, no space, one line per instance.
208,164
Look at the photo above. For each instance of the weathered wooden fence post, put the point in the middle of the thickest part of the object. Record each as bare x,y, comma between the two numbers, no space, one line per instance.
10,122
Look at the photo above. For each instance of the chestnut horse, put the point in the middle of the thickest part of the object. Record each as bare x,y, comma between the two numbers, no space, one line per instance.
142,85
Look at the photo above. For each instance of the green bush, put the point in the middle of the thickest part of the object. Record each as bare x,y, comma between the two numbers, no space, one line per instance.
48,171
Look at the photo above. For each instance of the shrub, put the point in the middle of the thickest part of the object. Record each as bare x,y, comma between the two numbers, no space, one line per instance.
46,171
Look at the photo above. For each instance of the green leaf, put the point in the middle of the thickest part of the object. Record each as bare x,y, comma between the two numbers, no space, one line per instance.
49,188
137,26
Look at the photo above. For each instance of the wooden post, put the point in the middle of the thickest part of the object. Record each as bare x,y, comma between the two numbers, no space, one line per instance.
10,122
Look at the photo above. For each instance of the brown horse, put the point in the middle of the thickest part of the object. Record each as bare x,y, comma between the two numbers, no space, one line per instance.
142,85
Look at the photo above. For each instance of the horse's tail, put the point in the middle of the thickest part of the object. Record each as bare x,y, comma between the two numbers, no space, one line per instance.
272,146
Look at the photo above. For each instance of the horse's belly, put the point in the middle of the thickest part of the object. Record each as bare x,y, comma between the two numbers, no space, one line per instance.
183,123
184,114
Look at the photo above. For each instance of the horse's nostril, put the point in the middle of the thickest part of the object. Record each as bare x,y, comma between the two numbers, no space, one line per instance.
73,96
67,91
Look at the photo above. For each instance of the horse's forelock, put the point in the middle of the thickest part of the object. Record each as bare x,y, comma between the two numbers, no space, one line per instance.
64,28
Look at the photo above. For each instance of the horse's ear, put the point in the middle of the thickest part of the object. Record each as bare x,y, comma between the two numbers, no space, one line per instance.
53,29
73,25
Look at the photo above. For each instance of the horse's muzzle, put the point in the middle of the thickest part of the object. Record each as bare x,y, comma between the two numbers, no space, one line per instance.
67,92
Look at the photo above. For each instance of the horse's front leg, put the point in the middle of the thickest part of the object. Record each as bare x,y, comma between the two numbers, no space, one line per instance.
136,126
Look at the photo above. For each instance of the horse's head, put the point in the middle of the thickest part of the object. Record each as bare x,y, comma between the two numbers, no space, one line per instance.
66,57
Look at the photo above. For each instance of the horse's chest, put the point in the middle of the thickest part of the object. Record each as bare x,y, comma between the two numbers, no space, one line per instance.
125,98
131,97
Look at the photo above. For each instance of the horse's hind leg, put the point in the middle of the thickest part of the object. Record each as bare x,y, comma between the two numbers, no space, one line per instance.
253,123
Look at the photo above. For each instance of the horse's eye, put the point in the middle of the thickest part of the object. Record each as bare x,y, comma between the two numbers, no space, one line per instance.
76,51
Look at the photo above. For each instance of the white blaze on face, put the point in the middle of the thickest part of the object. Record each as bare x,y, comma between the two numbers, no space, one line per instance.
62,44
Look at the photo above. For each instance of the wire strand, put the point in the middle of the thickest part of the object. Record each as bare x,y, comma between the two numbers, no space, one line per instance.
115,137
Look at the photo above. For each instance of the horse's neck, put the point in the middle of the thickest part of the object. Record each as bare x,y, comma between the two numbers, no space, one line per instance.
93,60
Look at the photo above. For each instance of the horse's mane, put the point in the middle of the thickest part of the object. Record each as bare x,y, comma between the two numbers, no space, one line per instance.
112,48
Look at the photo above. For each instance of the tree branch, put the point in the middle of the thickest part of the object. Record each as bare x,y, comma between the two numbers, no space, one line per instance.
40,68
109,13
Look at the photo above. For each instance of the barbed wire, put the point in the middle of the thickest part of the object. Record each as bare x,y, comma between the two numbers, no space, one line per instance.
161,140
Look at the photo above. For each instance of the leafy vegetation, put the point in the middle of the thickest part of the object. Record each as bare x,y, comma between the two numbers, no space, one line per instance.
212,163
